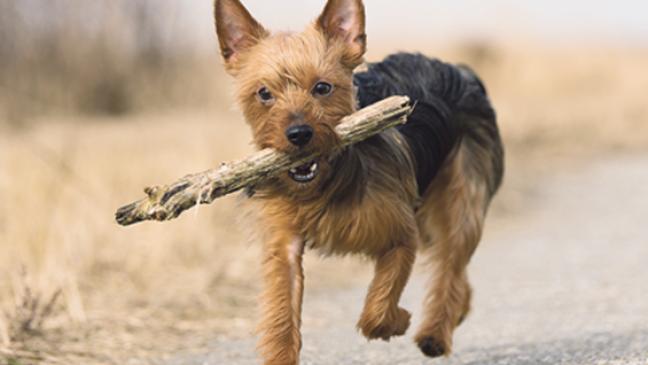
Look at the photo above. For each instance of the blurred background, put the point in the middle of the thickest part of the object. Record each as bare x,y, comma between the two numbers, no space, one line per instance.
101,98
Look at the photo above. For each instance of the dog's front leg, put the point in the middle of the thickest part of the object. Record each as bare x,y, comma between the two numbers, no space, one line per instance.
382,317
282,298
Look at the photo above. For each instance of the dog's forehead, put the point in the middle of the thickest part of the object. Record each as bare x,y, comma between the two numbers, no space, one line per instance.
297,56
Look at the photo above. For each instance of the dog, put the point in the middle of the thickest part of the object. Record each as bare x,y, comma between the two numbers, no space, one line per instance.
424,187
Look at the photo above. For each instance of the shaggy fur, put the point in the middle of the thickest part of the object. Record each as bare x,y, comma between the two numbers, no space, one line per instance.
424,187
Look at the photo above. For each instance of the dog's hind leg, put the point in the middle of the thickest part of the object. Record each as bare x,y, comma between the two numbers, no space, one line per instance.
450,221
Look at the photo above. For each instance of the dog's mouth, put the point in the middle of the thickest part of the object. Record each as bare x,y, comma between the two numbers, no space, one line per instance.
304,173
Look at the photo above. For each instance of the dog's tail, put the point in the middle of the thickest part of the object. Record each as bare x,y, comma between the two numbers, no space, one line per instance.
469,74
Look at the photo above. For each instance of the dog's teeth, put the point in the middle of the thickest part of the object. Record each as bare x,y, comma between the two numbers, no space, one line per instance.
304,173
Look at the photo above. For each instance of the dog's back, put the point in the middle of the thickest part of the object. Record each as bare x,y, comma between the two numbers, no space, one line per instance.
451,106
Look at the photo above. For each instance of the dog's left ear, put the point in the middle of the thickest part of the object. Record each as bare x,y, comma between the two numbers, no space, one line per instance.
344,20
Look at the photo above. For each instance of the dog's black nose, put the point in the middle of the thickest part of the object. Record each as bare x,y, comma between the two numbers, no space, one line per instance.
299,135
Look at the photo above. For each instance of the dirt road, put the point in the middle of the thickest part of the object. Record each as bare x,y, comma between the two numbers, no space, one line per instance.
565,284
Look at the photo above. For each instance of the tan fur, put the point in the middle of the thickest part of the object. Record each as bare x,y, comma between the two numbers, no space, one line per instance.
364,201
450,221
282,297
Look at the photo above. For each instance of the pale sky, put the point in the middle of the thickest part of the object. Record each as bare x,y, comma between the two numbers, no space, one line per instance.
564,21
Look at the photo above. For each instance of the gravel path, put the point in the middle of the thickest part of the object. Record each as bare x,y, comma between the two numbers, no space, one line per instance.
567,284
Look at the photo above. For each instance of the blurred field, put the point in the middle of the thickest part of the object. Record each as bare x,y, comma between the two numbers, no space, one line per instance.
76,288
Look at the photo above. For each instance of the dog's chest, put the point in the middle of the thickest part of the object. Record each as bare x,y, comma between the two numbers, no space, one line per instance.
370,227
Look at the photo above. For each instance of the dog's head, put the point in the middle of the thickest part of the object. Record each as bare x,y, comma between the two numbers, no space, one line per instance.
294,88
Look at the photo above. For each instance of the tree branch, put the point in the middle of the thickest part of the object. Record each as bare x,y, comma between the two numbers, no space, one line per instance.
169,201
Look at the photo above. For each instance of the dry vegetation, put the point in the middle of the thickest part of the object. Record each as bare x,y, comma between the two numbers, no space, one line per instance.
99,57
76,288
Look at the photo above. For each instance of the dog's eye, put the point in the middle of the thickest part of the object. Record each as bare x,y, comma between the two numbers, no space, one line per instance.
322,89
265,96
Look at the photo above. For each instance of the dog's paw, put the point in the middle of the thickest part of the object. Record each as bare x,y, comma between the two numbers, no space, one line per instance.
432,347
389,326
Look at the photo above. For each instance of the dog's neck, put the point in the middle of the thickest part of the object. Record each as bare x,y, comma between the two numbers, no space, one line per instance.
348,177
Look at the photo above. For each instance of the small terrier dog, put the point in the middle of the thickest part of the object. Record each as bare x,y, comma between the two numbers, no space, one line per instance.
424,186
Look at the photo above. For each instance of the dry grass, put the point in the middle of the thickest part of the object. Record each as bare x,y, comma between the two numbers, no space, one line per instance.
61,184
92,292
105,57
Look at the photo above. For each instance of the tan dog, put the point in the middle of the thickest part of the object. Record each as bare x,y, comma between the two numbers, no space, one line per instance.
424,186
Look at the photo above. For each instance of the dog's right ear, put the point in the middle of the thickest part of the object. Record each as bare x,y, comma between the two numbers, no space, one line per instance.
237,30
344,20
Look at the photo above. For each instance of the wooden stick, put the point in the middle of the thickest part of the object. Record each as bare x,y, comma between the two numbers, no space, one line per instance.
169,201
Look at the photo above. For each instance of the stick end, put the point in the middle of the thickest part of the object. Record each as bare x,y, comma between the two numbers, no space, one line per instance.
124,215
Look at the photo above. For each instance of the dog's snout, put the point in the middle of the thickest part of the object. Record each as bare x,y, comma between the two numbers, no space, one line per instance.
299,135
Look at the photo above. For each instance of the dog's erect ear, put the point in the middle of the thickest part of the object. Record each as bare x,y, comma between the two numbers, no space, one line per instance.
344,20
237,30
